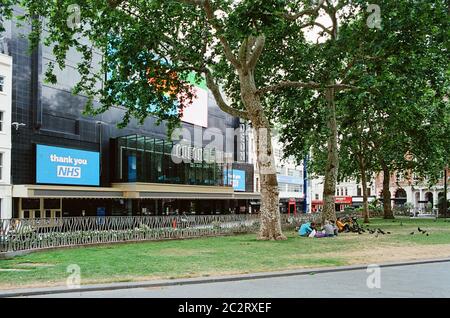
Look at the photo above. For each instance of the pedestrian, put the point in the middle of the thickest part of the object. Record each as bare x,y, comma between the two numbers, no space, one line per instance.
329,229
306,229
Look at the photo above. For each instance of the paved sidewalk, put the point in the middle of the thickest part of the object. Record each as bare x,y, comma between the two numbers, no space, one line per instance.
61,290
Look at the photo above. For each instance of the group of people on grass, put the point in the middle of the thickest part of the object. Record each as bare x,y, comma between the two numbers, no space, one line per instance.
329,229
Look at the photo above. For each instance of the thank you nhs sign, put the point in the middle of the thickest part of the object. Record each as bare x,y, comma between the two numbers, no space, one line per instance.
236,178
55,165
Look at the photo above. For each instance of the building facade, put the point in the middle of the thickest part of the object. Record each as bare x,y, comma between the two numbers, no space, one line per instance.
65,163
292,184
5,133
410,189
348,194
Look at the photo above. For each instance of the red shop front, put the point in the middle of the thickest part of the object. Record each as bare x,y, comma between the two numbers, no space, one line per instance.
341,204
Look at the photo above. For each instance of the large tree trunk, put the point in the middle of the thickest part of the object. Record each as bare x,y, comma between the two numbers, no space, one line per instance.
270,228
387,207
331,170
362,169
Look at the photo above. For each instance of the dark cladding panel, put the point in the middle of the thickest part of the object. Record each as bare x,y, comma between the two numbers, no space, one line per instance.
53,116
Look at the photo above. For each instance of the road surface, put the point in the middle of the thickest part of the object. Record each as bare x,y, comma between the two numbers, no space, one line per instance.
425,280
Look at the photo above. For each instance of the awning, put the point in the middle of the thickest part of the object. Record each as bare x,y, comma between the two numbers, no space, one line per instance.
174,191
133,191
49,191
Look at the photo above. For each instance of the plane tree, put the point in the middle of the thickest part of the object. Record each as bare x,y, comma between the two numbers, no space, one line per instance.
400,70
250,50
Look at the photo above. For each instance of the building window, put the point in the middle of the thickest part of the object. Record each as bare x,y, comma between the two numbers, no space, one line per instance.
294,173
1,120
2,83
295,188
346,191
358,191
282,187
317,196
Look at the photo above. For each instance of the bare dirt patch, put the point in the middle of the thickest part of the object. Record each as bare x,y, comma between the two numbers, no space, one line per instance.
391,253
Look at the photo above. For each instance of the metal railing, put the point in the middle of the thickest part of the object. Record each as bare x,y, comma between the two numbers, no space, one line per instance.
35,234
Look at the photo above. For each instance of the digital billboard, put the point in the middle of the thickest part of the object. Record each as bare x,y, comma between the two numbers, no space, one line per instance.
56,165
236,178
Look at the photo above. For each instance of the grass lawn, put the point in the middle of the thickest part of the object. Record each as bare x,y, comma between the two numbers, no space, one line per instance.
227,255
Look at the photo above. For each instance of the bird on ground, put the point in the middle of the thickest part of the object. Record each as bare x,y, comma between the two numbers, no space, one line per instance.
419,229
381,232
428,234
424,232
388,232
412,233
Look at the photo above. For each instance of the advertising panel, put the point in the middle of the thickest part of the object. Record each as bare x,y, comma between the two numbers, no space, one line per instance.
236,178
56,165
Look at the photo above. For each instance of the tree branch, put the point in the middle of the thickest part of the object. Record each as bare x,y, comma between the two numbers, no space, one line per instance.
226,46
219,98
243,50
256,54
311,11
309,85
287,84
320,25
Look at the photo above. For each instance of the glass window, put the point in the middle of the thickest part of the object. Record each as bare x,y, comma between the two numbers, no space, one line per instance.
294,173
144,159
1,165
52,204
2,83
30,204
295,188
1,120
282,187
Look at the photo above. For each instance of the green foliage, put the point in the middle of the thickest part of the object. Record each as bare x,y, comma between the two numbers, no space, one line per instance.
399,116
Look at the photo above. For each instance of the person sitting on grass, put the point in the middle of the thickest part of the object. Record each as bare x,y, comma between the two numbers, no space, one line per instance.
329,229
336,230
342,227
306,229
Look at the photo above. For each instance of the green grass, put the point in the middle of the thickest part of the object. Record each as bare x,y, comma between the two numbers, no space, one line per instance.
211,256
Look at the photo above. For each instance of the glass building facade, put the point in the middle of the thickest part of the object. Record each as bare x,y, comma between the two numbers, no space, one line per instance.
150,160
